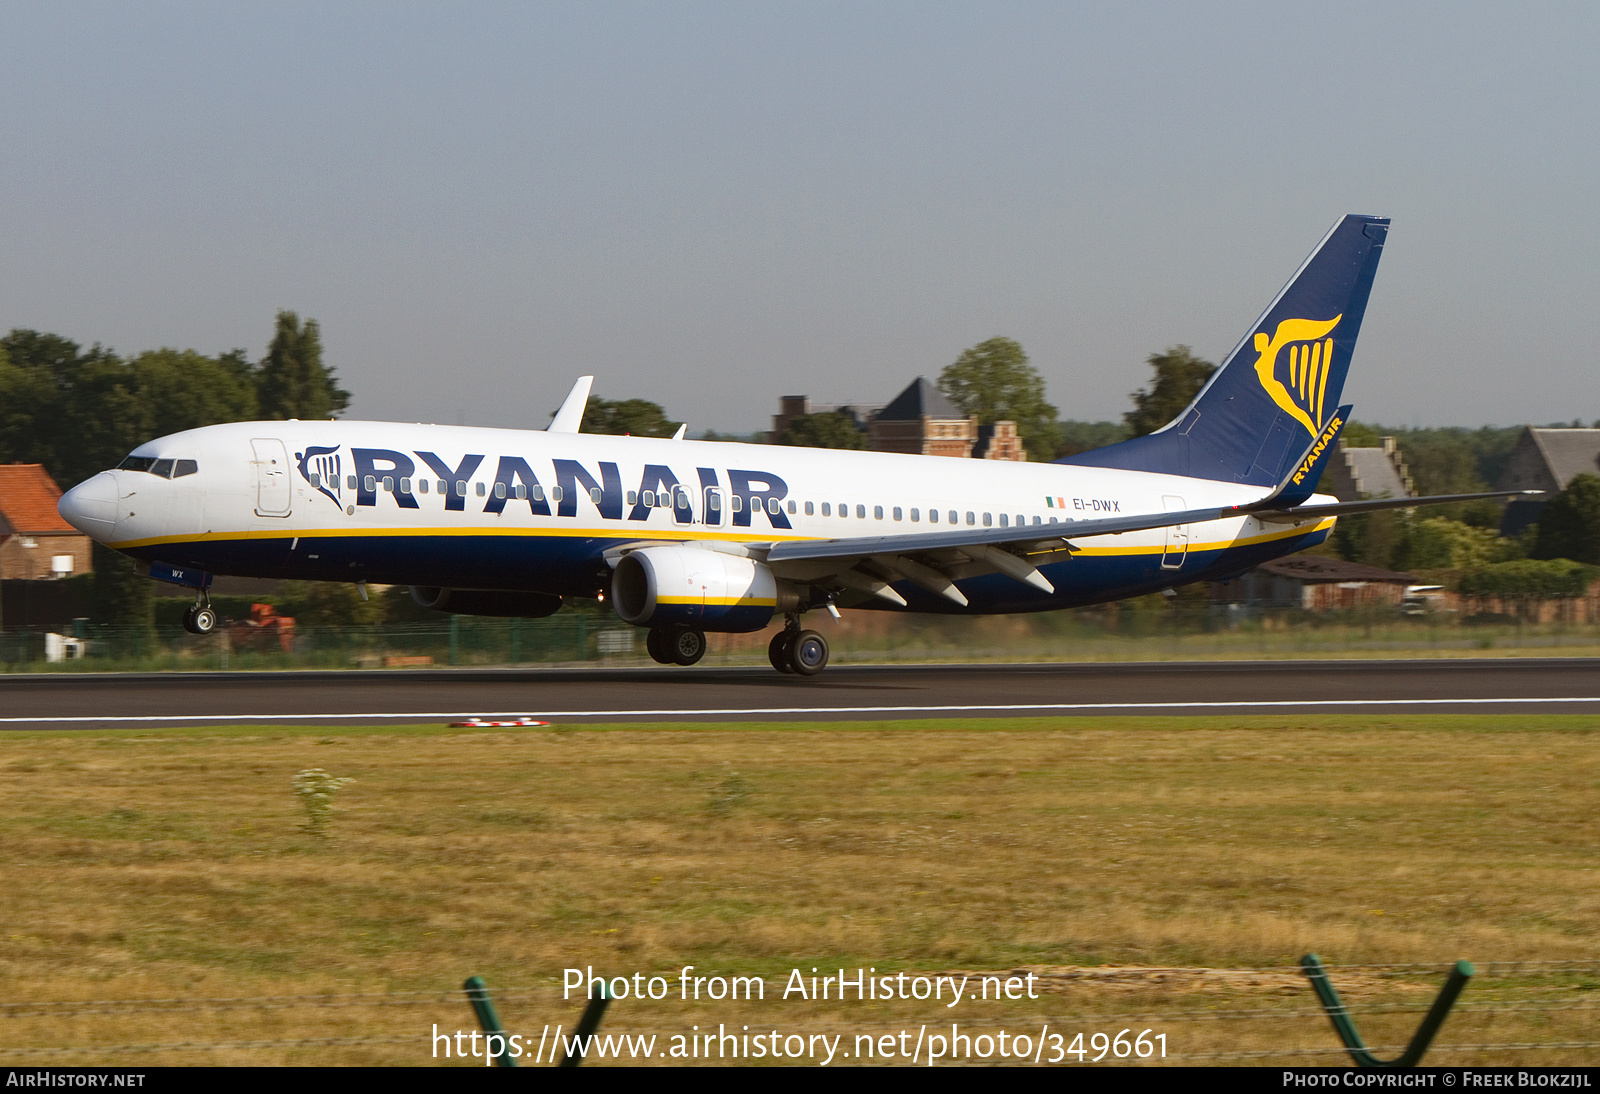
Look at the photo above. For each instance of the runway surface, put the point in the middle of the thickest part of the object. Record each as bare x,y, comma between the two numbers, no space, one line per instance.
1551,685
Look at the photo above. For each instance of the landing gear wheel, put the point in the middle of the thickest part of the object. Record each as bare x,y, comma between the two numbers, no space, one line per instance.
199,619
656,643
808,653
203,620
778,652
686,647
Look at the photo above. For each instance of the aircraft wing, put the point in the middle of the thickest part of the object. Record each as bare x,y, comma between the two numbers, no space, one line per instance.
935,559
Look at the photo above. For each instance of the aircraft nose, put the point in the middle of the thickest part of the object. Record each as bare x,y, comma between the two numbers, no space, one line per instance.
91,506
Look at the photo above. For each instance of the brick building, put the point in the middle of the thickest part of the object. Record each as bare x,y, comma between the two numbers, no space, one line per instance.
35,543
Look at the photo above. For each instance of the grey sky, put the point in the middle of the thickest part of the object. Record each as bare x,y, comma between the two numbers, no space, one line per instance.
712,205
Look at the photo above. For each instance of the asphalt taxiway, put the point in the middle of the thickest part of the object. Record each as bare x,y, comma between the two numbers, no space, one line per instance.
843,692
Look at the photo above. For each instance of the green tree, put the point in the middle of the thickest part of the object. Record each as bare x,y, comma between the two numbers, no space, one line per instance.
292,381
626,417
124,597
75,411
1179,377
830,429
1075,436
993,381
182,389
1569,523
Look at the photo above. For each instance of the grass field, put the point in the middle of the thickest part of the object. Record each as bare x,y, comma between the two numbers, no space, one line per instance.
175,865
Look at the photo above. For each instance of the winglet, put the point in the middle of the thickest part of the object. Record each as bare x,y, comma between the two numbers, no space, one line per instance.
682,429
570,416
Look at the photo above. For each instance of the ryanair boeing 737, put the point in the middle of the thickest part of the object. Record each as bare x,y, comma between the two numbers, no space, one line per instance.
684,537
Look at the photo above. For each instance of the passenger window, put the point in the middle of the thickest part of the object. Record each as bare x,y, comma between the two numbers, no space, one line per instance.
1003,519
792,509
737,503
916,515
538,492
972,518
422,486
405,486
988,521
955,518
773,506
315,480
444,487
648,497
810,510
370,483
1052,520
388,484
556,494
877,512
714,502
185,467
933,516
861,512
522,492
633,497
844,509
896,512
827,509
595,493
1021,520
500,491
1036,520
350,482
481,490
461,488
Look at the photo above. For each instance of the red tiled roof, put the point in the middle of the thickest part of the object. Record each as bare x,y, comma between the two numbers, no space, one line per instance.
28,497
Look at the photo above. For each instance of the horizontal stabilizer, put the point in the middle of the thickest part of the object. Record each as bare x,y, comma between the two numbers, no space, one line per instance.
1262,511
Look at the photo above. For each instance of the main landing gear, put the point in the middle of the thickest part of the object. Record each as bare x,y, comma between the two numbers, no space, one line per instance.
792,650
675,645
201,617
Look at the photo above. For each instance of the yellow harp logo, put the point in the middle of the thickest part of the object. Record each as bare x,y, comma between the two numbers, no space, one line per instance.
1309,359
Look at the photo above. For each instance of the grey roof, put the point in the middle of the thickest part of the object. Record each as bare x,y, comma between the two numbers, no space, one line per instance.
1374,473
1569,452
920,400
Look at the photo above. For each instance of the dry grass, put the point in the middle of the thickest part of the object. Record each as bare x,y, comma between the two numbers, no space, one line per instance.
144,865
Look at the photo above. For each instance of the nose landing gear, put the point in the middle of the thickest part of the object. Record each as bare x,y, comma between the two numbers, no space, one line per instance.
201,618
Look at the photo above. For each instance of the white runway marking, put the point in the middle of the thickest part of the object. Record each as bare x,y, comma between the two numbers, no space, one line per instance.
423,715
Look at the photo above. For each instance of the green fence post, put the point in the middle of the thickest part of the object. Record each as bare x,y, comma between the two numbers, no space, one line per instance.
1339,1015
478,995
455,639
590,1022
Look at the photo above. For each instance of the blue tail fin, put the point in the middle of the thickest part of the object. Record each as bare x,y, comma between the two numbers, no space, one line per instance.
1279,388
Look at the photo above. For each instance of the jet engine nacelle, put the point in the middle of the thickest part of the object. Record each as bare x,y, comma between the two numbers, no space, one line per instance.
522,605
699,589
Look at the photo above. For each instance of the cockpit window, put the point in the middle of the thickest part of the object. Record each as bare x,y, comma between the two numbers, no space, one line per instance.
166,469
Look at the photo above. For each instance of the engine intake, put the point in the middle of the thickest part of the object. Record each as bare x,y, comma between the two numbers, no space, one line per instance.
695,588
